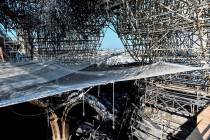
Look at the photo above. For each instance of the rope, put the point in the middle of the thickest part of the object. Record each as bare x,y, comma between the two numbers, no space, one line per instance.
83,105
99,89
113,119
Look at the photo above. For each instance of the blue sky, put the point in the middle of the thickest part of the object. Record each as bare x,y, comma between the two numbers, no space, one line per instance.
111,40
10,33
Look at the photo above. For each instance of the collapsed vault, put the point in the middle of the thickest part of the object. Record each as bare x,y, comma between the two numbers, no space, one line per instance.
60,126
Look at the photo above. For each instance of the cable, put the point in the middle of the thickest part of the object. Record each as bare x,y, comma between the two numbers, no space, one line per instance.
34,115
24,115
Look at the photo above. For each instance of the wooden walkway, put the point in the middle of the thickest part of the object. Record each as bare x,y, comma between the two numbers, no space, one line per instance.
183,88
202,131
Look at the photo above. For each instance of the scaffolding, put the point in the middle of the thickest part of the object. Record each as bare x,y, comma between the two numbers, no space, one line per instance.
167,30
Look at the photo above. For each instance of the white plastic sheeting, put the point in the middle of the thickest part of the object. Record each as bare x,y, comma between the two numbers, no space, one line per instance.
32,73
22,83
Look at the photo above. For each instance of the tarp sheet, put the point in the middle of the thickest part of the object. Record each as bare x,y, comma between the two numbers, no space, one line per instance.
22,83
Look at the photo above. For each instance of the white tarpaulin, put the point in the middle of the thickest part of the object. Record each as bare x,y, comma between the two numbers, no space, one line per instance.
22,83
